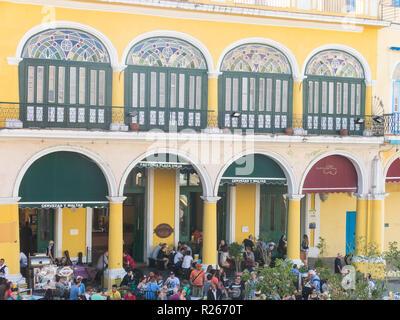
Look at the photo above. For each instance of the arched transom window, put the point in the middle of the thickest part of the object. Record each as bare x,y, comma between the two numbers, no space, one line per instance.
65,78
166,84
256,89
334,93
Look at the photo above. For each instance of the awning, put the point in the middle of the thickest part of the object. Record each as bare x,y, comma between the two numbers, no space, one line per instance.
393,174
164,161
63,178
331,174
254,169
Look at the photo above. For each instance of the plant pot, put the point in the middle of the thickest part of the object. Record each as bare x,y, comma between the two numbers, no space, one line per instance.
134,126
289,131
344,132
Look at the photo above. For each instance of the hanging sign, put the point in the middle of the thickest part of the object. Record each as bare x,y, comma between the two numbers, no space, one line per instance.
163,230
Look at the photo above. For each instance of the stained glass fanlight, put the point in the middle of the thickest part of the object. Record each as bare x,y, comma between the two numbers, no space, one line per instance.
66,44
166,52
335,63
256,58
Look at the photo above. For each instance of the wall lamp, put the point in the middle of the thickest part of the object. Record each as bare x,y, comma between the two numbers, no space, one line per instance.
132,114
359,121
236,115
378,119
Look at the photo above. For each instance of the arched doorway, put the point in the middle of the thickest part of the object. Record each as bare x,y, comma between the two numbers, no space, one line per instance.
163,191
257,187
330,208
59,192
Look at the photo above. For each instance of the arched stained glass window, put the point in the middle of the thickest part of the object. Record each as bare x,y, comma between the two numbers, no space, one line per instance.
66,44
256,58
255,89
334,93
166,84
166,52
335,63
65,80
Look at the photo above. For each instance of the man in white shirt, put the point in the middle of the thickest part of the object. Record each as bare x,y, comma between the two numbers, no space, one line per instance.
3,271
187,261
172,282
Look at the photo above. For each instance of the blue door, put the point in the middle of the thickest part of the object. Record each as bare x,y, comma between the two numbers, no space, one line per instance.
350,231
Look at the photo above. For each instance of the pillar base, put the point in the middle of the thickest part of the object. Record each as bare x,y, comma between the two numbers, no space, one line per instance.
113,276
16,278
298,262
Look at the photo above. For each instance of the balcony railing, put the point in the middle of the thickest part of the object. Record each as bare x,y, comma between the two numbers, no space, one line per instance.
73,117
357,8
389,10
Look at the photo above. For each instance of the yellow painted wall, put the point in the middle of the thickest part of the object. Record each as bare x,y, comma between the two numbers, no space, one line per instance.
245,210
9,244
74,221
164,203
333,222
392,214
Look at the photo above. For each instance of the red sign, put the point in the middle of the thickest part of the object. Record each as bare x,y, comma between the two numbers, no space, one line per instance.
331,174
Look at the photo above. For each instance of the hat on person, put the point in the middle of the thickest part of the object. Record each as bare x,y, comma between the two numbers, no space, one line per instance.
171,273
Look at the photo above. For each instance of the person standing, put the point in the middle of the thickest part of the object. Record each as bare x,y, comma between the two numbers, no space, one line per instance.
197,277
26,239
50,251
102,264
129,263
3,271
304,250
338,263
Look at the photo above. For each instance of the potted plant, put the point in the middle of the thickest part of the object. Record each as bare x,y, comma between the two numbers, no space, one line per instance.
134,126
289,131
235,252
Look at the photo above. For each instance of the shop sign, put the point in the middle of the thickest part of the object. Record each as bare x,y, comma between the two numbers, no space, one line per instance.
253,180
61,205
163,230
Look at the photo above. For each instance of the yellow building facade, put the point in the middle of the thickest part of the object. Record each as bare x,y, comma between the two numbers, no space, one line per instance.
128,124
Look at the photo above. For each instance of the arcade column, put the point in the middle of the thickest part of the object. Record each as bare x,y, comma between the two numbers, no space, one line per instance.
293,235
376,229
9,236
115,270
361,223
210,253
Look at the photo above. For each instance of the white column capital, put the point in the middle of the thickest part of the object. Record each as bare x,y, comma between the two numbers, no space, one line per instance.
295,197
299,79
11,200
214,74
378,196
119,67
210,199
116,199
361,196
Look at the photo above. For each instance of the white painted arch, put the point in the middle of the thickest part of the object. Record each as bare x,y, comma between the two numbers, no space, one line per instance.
280,160
342,47
202,172
173,34
67,24
269,42
104,167
389,162
362,173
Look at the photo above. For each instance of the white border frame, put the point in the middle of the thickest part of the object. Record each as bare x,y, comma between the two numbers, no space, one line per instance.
349,50
280,161
174,34
285,50
202,172
66,24
362,173
104,167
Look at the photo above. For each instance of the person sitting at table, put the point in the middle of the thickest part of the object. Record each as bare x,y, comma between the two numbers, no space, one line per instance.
128,279
163,255
187,248
178,258
187,263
